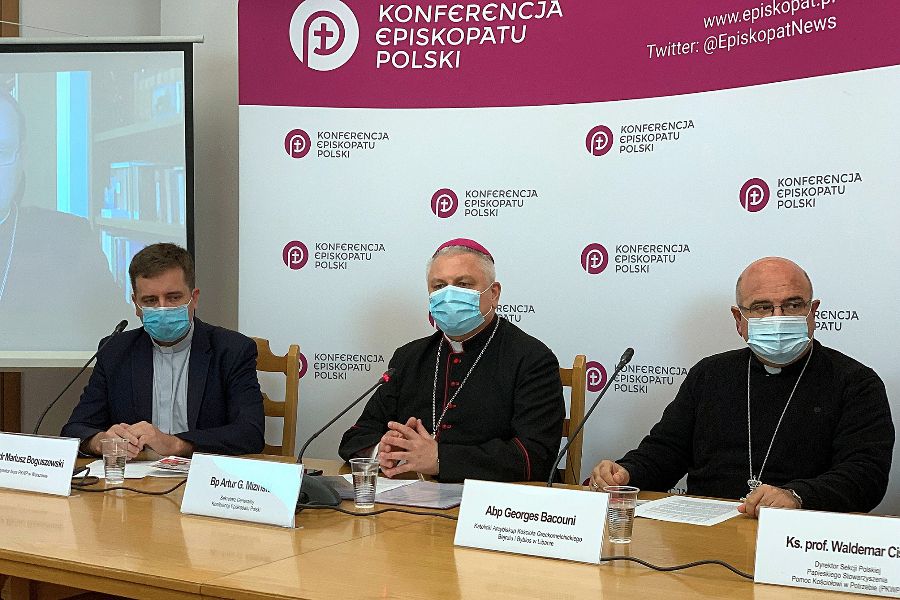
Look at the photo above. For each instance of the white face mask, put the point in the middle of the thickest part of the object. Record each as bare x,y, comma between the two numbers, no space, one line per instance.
778,339
455,310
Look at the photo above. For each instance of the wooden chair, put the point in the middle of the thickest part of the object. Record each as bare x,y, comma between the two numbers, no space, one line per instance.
575,378
289,365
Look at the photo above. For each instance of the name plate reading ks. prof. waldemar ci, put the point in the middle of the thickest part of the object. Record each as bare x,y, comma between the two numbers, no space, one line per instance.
829,551
245,489
37,463
525,519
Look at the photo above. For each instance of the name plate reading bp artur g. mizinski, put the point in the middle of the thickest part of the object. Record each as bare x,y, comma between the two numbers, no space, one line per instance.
245,489
37,463
525,519
829,551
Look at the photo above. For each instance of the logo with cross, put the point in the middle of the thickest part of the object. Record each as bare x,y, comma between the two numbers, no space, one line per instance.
754,195
594,259
444,203
599,140
324,34
297,143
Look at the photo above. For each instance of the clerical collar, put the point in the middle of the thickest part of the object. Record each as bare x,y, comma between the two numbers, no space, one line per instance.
181,346
473,342
791,369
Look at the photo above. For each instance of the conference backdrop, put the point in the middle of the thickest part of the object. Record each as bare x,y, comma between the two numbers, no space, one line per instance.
623,164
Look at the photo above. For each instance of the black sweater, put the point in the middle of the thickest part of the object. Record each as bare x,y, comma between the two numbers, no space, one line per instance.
506,422
834,447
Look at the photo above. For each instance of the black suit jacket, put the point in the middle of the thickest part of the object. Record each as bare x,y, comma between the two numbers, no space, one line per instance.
224,403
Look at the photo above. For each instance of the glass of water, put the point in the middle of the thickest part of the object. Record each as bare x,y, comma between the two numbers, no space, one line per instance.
365,474
114,457
620,513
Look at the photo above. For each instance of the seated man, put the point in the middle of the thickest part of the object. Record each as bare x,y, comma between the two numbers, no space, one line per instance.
478,399
817,432
177,385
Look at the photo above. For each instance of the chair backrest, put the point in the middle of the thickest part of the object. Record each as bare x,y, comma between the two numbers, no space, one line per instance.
575,378
289,364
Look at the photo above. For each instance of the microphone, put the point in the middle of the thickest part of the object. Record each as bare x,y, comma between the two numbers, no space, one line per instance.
119,328
381,381
626,358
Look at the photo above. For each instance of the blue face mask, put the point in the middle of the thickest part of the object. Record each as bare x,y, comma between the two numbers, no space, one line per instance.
779,340
456,311
167,324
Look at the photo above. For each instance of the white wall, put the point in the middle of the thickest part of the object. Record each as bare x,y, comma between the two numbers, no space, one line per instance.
215,149
89,17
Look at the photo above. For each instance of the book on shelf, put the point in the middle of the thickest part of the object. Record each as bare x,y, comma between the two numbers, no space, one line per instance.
145,191
158,94
119,251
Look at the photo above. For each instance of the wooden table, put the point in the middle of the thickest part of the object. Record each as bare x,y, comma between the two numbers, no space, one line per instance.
142,546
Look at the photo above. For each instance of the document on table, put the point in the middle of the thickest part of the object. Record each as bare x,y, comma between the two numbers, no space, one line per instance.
424,494
382,484
695,511
137,469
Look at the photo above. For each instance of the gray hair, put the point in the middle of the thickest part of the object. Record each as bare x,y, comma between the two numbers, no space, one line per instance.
487,265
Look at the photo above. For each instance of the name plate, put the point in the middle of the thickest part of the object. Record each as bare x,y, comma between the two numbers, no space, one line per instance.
37,463
829,551
244,489
526,519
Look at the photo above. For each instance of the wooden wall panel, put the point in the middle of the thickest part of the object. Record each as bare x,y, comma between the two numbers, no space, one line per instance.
11,402
9,11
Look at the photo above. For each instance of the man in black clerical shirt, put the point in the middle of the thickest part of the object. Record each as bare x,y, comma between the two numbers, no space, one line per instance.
477,399
785,423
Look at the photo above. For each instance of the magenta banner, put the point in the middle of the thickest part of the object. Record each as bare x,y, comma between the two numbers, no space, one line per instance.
360,53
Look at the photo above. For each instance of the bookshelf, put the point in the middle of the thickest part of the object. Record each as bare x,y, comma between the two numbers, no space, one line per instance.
138,184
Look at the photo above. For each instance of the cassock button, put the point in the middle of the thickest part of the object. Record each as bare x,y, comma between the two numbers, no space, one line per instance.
455,361
454,383
446,426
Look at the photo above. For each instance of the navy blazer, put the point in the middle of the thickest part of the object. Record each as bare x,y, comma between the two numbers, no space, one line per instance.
224,402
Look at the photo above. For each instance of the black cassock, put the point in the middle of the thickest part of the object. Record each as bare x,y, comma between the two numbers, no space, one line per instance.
505,423
833,447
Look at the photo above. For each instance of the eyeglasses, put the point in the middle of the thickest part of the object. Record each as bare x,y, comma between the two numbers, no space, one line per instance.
791,308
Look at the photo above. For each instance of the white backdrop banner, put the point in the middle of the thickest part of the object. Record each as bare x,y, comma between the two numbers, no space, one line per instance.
623,166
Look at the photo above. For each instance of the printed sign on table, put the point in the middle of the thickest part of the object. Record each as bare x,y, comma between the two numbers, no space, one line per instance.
829,551
245,489
540,521
36,463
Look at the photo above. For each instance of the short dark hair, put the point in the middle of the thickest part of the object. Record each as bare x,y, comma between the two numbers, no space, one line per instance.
158,258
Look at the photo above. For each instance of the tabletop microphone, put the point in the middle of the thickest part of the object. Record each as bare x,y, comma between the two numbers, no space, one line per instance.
385,377
626,358
119,328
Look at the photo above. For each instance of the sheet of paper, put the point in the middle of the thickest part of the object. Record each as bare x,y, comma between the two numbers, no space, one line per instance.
383,484
134,470
424,494
694,511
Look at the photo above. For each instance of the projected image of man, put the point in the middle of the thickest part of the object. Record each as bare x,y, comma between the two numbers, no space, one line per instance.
48,259
177,385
